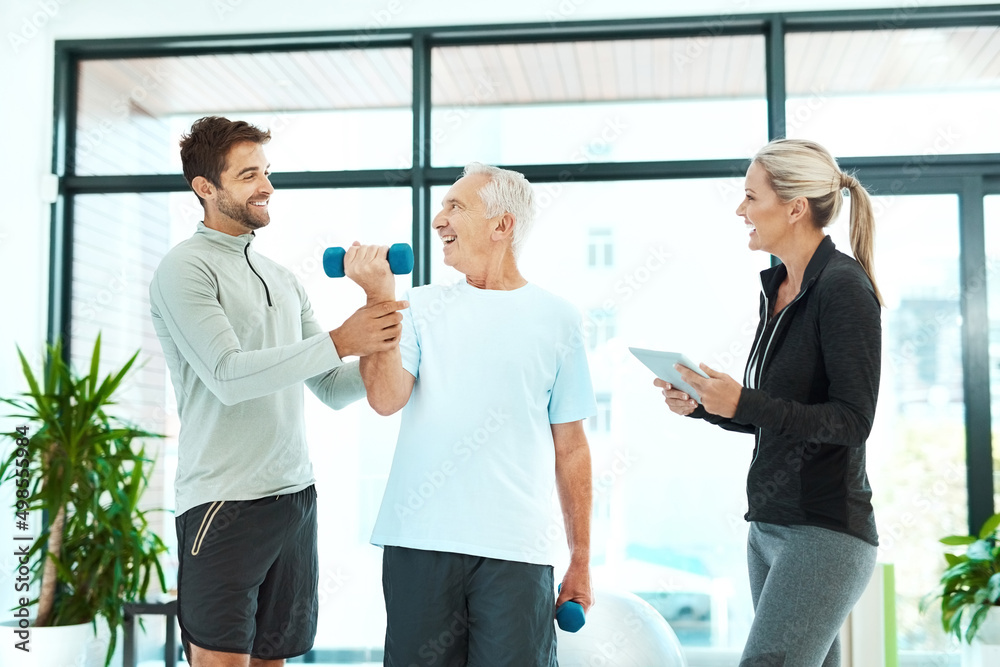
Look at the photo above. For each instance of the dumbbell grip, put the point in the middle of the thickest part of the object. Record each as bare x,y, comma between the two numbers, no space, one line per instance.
570,616
400,258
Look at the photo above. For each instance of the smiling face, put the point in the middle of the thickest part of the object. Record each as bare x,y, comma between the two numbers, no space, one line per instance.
241,200
463,227
765,215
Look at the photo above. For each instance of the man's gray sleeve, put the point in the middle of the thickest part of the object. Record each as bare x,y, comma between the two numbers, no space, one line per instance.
340,386
184,302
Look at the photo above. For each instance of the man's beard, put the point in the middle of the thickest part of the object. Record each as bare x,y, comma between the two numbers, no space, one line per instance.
241,213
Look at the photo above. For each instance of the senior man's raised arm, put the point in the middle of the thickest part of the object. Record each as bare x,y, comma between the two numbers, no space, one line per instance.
387,383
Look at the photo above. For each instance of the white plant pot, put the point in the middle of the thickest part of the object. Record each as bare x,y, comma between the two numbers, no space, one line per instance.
984,651
63,646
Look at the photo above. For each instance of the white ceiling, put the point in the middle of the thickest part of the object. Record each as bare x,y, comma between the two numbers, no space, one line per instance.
546,73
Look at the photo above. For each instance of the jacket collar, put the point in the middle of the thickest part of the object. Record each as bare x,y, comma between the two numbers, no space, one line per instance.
770,279
224,241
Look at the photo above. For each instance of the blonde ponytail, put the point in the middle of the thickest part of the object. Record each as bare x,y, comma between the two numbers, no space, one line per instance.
862,229
801,168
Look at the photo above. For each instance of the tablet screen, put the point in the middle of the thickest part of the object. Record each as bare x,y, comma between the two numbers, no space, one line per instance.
662,365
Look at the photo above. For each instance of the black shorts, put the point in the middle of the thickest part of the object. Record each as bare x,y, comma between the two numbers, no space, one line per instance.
247,575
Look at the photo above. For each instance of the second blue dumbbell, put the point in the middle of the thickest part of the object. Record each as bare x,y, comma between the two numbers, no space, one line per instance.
570,616
400,260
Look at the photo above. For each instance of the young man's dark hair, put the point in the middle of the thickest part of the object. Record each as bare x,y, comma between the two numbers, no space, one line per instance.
205,147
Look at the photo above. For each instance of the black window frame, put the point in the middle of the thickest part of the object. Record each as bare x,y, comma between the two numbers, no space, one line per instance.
971,177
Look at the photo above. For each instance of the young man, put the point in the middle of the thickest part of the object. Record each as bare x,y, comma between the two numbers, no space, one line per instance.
495,384
240,339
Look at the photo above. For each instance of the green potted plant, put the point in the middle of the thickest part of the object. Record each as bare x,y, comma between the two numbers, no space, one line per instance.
970,589
87,470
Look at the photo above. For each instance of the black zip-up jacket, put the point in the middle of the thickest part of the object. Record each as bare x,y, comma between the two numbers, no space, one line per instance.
809,394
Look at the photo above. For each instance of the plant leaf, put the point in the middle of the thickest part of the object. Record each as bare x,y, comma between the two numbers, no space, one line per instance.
84,459
989,526
980,550
977,620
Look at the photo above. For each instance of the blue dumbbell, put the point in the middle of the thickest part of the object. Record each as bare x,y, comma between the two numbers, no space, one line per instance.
400,260
570,615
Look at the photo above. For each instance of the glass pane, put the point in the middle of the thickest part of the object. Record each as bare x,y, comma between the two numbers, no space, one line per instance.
916,451
669,493
600,101
350,108
992,210
119,242
924,92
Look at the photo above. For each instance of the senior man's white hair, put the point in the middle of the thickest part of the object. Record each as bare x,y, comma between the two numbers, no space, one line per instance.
506,192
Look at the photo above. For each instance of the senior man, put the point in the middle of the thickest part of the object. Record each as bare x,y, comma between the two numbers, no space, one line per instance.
494,386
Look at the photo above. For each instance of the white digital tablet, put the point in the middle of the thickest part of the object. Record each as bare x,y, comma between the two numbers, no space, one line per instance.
662,364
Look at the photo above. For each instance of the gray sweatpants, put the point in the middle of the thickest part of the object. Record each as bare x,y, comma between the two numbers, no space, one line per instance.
804,580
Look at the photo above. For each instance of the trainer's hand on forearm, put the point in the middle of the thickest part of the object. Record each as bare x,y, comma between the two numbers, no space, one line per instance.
368,266
679,402
719,393
371,329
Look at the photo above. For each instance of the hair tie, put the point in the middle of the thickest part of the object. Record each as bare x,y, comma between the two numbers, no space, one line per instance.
847,181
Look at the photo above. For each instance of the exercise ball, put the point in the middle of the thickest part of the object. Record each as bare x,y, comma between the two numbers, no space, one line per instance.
622,630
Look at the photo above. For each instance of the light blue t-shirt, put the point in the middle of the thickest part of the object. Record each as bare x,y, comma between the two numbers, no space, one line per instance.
474,467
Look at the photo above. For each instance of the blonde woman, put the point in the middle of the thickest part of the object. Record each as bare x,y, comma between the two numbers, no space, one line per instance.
808,395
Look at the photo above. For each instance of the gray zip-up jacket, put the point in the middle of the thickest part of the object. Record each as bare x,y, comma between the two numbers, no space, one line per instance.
240,339
809,394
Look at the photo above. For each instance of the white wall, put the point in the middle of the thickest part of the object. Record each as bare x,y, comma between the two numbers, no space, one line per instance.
29,28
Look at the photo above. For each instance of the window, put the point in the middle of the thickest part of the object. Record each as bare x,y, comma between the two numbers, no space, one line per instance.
656,122
600,249
916,450
601,422
598,327
598,101
992,211
921,92
132,112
